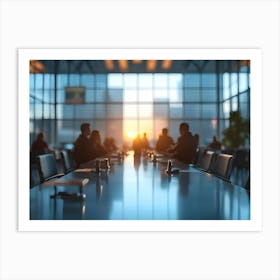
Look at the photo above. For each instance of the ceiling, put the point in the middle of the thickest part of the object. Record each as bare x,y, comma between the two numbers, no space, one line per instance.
135,66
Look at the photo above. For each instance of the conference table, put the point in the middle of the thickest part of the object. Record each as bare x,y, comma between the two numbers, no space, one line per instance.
139,188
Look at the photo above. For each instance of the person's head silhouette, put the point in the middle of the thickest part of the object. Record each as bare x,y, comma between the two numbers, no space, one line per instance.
85,129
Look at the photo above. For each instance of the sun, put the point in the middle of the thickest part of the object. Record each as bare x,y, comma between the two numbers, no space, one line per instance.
131,134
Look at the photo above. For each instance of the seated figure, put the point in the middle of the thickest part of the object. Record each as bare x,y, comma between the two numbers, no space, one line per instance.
96,148
164,141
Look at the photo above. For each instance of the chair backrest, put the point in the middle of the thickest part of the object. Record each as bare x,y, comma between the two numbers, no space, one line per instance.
47,166
248,183
205,160
223,166
198,155
66,162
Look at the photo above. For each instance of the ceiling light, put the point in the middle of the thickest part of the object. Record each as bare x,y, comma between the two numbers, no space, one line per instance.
166,64
123,64
151,65
36,66
109,64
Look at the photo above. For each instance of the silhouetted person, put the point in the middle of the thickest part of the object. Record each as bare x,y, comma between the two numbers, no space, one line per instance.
215,144
164,141
145,142
137,145
82,145
110,145
39,146
96,148
184,147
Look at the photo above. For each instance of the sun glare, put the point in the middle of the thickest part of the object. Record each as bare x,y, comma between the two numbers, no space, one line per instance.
131,134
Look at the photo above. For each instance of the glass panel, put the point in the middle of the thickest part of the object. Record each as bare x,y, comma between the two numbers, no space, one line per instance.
115,95
130,111
226,92
39,81
209,95
67,132
146,111
83,111
31,81
99,111
114,111
99,95
192,94
234,104
161,111
38,110
145,95
234,84
191,80
48,96
89,95
47,111
74,80
175,80
52,111
39,94
208,80
176,110
176,95
145,80
161,94
209,111
192,111
74,111
60,96
31,109
101,81
115,81
87,81
244,110
243,82
160,80
130,80
62,81
65,111
130,95
226,108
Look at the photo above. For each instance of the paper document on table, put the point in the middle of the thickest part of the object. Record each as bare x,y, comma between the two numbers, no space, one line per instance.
67,182
192,170
84,170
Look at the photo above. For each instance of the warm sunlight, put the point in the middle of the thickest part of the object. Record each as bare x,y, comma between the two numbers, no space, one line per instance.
131,134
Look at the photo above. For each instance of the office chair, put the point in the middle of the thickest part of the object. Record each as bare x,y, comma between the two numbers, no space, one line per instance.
222,166
205,160
66,162
248,183
47,167
48,175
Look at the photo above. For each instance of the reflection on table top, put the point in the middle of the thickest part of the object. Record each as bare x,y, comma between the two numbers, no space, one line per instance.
138,189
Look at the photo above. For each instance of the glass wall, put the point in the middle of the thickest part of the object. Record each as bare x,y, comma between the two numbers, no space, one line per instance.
122,105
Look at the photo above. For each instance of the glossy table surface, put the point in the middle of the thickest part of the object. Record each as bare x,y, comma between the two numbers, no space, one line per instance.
138,189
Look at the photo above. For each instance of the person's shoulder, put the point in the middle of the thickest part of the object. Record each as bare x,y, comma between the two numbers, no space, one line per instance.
79,139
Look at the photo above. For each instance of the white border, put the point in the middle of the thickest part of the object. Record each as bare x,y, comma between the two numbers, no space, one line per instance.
24,55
